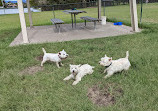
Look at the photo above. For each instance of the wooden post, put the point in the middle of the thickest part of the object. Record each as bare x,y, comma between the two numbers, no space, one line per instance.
30,14
99,9
2,3
22,21
134,18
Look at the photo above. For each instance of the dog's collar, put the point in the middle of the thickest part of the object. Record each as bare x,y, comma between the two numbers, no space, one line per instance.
108,65
59,57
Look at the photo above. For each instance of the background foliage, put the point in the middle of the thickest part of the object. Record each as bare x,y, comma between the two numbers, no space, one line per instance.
51,2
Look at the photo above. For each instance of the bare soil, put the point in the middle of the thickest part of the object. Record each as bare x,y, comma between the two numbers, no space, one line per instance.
104,95
39,58
32,70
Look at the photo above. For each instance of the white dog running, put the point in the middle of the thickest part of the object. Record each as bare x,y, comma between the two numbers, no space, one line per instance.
113,66
54,57
78,71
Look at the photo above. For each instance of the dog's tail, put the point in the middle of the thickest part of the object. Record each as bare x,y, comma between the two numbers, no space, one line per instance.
127,54
44,51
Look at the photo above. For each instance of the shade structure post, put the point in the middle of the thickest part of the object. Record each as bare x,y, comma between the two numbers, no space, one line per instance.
134,17
104,8
22,21
99,9
141,11
30,14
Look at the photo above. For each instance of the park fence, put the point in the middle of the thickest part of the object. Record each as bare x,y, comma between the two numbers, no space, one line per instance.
49,11
50,7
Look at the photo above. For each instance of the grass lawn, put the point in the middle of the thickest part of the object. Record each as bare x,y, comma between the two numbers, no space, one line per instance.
46,89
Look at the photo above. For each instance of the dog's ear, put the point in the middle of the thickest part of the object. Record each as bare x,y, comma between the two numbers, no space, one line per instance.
105,55
110,59
70,65
63,50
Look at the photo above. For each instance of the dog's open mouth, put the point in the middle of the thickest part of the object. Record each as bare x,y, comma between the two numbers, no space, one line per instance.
74,73
64,58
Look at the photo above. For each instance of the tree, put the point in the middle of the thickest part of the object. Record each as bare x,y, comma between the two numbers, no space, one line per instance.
1,3
53,2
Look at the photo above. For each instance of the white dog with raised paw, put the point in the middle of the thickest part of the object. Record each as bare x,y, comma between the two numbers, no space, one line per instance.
54,57
113,66
78,71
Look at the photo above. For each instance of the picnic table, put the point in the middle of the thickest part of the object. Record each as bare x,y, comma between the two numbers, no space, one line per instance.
73,15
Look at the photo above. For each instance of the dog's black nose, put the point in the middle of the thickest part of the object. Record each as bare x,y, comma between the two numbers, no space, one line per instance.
73,71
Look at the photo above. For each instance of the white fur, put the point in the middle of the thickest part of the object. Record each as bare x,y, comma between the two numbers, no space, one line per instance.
54,57
78,71
116,65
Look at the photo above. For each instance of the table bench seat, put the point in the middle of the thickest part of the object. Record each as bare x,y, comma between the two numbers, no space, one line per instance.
91,19
57,23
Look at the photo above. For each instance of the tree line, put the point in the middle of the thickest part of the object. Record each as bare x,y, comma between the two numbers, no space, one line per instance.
53,2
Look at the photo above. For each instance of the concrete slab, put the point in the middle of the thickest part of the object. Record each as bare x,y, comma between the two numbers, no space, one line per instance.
43,34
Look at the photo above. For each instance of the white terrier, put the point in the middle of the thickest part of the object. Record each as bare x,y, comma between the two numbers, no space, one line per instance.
78,71
113,66
54,57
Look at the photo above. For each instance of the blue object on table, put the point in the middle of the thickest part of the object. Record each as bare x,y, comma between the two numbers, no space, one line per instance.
118,23
74,9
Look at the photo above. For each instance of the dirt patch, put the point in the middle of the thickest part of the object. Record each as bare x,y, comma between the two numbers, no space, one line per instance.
39,58
32,70
104,95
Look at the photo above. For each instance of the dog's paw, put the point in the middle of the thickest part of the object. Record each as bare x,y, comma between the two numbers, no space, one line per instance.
105,77
74,83
65,79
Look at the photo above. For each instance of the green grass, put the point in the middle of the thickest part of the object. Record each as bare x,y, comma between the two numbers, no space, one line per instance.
46,90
